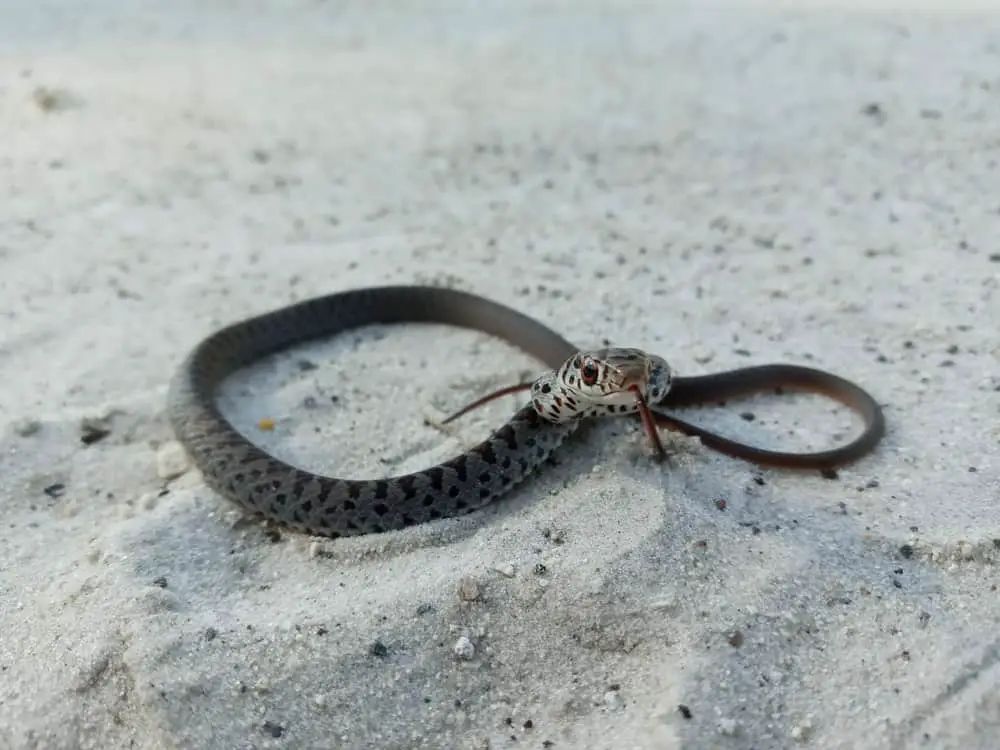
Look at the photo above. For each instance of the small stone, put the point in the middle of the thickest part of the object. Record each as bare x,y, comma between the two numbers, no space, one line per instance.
171,461
319,701
211,634
613,700
507,571
272,729
94,429
801,732
727,727
160,581
556,536
464,648
26,427
469,590
53,99
735,638
378,649
55,490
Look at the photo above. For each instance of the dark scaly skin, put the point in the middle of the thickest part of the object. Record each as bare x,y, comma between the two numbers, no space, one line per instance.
326,506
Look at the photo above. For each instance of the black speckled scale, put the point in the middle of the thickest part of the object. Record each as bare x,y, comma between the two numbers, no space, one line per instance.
332,507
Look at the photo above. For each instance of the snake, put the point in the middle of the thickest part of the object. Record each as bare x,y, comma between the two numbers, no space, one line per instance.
578,385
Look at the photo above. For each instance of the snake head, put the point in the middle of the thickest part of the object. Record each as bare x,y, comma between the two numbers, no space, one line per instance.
601,382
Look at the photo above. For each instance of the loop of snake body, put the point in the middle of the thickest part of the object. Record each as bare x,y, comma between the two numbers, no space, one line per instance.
579,385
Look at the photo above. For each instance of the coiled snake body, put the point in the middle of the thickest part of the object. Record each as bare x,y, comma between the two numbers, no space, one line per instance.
579,385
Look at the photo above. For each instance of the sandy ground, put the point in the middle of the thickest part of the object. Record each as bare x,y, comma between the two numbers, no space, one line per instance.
723,188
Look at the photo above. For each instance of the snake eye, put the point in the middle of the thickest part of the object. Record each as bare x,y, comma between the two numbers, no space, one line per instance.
588,373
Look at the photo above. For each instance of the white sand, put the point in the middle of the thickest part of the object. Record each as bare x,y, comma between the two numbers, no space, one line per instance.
693,182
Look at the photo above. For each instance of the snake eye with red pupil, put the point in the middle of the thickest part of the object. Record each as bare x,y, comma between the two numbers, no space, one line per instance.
588,373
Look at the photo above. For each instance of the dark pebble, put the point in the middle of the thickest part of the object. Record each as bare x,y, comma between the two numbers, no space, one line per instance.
748,416
55,490
906,551
272,729
161,581
829,474
92,430
378,649
211,634
305,365
685,711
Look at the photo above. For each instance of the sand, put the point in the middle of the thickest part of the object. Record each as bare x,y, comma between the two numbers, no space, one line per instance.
722,187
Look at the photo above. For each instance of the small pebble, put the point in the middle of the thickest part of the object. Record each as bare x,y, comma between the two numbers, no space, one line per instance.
613,700
26,427
801,732
727,727
469,590
171,461
93,429
53,99
378,650
464,648
507,571
272,729
55,490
